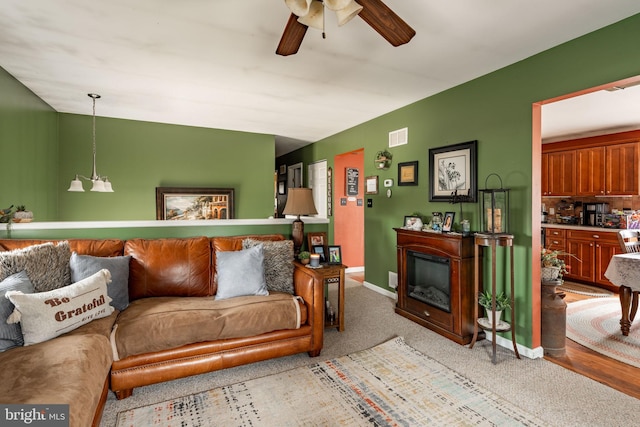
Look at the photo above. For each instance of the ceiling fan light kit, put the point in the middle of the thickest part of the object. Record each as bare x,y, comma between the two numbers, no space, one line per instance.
310,13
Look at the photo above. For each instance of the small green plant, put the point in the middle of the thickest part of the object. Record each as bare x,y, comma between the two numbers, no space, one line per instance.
6,215
303,255
502,301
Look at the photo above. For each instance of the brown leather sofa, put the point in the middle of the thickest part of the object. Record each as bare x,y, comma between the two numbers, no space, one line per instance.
169,269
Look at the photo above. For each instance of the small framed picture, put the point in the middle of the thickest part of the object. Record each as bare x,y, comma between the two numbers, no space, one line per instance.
448,221
408,173
316,239
412,222
335,256
281,188
319,249
371,184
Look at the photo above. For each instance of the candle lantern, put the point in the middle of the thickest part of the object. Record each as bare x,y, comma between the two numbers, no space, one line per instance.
494,208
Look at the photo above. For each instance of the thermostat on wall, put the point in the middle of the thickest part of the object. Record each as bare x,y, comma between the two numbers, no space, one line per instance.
388,183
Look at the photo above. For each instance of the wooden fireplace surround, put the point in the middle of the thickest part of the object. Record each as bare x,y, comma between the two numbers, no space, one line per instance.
458,324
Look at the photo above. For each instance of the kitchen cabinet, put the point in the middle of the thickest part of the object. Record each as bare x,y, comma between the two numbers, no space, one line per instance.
590,171
622,177
592,251
560,173
555,239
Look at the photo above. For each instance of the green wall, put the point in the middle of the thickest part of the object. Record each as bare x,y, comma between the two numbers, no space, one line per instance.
28,150
140,156
496,110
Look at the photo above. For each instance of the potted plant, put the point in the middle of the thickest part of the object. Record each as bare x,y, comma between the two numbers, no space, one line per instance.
502,303
6,215
22,214
552,266
304,257
383,159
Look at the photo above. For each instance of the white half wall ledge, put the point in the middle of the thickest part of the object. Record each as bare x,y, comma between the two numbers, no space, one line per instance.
75,225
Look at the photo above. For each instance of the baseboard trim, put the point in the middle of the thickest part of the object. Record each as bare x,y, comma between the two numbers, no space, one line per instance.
354,269
379,290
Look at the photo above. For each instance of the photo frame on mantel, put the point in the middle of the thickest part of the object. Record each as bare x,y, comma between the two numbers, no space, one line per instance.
454,168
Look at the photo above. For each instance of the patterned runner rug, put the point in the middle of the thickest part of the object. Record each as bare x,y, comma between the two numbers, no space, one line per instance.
390,384
595,323
582,289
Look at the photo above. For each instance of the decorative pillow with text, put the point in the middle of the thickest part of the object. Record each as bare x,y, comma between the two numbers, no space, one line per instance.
46,315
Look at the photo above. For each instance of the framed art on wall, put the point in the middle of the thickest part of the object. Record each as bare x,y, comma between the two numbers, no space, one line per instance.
371,185
408,173
453,168
191,203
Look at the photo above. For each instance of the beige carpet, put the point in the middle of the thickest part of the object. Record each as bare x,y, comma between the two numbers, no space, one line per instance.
555,395
595,323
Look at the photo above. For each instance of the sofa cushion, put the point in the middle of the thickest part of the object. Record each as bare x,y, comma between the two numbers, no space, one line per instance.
95,247
46,315
47,265
10,333
155,324
278,263
241,273
169,267
83,266
66,370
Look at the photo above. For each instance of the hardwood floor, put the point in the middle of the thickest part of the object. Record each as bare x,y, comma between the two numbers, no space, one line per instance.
608,371
580,359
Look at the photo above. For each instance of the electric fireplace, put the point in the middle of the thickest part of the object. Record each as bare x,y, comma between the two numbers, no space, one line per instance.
435,281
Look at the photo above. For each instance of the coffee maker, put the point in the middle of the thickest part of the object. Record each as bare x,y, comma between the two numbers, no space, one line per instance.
594,213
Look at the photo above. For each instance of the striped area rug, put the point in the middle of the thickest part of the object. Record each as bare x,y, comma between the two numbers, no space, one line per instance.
390,384
595,323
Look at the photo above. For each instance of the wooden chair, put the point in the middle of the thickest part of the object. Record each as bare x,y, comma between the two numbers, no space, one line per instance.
629,241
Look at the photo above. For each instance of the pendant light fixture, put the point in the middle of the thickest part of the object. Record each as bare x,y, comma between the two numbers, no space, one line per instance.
100,183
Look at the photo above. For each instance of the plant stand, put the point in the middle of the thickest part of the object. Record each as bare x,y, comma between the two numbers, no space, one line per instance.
493,241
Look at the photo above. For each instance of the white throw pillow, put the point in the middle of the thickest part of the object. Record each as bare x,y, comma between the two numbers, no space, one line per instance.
240,273
46,315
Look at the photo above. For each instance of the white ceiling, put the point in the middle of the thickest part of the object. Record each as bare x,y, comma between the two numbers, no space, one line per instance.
212,63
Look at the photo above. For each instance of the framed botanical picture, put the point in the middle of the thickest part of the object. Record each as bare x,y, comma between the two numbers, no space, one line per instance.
371,185
452,168
189,203
319,249
408,173
448,221
335,256
316,239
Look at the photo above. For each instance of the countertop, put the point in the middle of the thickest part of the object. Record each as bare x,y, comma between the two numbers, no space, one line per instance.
581,227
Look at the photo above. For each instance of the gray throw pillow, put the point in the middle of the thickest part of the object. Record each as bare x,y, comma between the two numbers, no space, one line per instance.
47,265
240,273
11,334
278,263
83,266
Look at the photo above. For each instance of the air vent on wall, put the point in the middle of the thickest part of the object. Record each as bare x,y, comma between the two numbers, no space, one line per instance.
398,137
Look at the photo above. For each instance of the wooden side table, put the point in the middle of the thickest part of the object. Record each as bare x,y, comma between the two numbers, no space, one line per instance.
333,274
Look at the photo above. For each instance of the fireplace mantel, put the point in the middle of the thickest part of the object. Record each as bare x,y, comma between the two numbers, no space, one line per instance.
457,323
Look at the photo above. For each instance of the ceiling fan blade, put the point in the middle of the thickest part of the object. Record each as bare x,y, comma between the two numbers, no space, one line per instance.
385,22
291,37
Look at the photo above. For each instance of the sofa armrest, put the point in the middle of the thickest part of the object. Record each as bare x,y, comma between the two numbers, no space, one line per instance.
309,285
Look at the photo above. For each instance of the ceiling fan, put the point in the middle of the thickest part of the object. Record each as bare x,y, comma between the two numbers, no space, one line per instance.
310,13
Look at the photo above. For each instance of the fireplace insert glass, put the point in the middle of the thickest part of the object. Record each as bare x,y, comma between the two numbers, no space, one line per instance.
428,279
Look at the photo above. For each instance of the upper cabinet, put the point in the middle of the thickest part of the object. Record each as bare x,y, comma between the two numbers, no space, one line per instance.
561,168
597,166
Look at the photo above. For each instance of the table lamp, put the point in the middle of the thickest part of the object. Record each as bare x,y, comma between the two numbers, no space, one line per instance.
299,202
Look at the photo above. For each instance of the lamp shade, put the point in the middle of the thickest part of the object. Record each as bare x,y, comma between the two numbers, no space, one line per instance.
347,13
298,7
299,202
76,185
315,17
98,185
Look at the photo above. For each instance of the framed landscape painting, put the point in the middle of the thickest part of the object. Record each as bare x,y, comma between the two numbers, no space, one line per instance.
189,203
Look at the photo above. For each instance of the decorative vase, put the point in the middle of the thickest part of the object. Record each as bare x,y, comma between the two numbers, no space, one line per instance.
553,320
304,261
549,274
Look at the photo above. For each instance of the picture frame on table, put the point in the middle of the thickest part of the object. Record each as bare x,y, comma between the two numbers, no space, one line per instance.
447,225
319,249
335,254
454,169
408,173
316,239
193,203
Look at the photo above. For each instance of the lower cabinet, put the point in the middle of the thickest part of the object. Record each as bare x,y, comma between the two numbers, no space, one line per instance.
591,252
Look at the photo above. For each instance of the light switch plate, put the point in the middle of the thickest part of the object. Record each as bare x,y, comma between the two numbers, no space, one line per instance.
388,183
